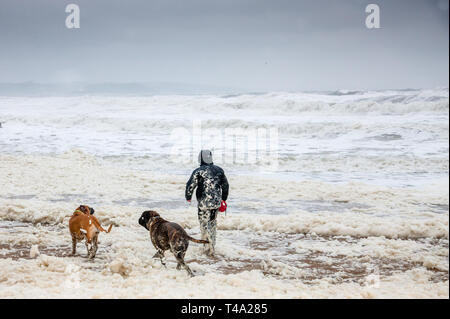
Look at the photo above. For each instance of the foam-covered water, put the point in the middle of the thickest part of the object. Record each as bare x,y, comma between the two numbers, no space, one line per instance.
357,207
398,137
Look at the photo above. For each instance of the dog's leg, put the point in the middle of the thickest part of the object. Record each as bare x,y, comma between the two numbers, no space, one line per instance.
74,245
88,248
94,246
178,248
157,255
91,239
160,254
181,263
176,253
89,236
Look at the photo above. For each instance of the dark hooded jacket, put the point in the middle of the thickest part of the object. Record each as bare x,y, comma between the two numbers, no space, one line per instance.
212,186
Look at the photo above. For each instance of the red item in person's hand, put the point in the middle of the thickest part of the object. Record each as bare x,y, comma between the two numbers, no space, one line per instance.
223,206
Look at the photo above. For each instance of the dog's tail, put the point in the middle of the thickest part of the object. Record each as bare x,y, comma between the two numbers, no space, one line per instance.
102,229
198,241
106,231
109,229
99,227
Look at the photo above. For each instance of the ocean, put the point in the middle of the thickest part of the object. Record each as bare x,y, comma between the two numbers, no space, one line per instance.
339,194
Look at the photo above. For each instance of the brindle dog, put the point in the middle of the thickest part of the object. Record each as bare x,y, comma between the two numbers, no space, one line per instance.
166,235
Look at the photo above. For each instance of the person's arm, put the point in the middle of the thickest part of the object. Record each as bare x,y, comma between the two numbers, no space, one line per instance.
191,185
225,188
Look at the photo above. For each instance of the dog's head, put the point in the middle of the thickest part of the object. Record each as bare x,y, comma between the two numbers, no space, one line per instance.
86,209
146,217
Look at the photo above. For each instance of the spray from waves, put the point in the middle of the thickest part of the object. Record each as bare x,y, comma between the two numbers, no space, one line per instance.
326,128
393,101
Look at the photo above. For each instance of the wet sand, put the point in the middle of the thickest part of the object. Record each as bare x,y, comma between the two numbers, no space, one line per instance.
318,265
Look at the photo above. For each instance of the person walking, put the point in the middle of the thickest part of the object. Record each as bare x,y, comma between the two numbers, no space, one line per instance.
212,192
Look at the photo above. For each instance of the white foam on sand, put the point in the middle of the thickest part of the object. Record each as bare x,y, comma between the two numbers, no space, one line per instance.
281,255
53,277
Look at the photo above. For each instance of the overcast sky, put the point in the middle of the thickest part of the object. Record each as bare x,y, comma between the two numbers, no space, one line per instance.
255,45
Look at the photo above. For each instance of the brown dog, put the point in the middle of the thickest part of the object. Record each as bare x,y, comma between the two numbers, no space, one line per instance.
83,225
166,235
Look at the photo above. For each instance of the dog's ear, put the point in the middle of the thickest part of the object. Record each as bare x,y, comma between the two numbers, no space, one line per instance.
84,209
153,214
143,220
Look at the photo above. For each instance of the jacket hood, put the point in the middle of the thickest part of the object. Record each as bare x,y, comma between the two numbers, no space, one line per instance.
205,157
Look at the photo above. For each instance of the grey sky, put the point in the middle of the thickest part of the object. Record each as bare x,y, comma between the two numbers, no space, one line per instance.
256,45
